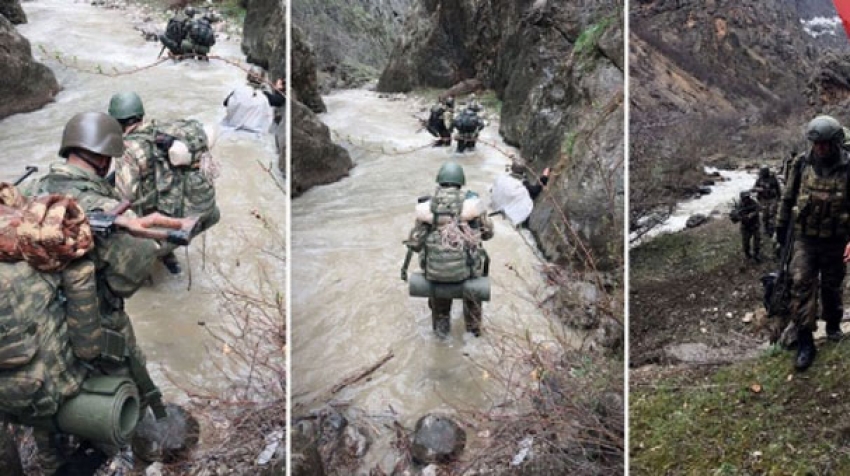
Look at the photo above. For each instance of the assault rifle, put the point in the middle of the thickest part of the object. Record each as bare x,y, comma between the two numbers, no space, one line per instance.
177,231
777,285
409,255
30,169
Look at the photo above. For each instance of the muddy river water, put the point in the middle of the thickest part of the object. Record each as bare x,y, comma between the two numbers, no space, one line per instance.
170,320
349,306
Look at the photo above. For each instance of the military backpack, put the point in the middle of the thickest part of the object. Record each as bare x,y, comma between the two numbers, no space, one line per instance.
202,33
450,252
174,29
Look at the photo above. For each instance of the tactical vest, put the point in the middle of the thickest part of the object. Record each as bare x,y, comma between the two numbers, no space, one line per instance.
823,209
450,253
768,191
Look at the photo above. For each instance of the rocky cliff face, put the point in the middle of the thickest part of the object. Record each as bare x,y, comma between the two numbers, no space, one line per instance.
25,85
316,159
264,43
352,40
558,69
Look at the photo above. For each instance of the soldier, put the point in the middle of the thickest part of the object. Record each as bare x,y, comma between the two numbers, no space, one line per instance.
176,31
468,125
122,262
815,203
447,235
249,107
199,38
747,212
768,193
440,122
150,175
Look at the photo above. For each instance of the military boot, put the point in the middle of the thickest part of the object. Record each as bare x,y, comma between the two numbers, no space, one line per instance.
171,263
806,350
442,325
833,330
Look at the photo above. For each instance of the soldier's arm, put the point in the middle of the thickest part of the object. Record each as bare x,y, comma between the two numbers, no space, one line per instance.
128,171
789,197
128,260
486,225
416,240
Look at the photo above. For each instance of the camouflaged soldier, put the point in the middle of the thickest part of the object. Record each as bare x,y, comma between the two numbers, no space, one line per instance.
747,213
448,234
817,204
768,193
121,262
150,175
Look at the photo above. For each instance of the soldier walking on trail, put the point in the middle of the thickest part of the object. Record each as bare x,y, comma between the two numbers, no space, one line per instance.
816,203
747,213
121,261
165,168
448,234
768,193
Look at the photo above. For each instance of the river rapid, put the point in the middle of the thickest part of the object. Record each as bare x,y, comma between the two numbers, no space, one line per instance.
172,320
349,305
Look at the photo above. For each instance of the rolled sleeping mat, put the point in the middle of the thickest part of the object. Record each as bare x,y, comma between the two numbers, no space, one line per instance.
475,288
105,411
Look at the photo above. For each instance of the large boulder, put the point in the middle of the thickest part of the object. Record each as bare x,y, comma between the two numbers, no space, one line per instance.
11,9
25,85
10,460
304,79
316,159
167,440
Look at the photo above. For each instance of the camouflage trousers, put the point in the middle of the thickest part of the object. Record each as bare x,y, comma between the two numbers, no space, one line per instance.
817,264
749,234
441,314
768,215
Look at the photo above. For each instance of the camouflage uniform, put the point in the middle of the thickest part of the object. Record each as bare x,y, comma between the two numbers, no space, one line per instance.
816,198
441,308
122,263
748,213
767,192
136,180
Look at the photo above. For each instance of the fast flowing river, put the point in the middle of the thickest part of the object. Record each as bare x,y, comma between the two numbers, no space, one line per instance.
171,321
349,305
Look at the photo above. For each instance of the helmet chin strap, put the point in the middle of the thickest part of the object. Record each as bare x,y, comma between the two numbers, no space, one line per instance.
99,169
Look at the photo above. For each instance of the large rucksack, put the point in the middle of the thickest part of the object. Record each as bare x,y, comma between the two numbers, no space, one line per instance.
183,185
450,252
174,29
202,33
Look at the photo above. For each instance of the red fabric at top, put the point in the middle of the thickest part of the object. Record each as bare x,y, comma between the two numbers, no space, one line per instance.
843,9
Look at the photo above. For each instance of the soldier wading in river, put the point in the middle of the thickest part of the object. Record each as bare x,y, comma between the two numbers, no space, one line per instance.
450,227
817,204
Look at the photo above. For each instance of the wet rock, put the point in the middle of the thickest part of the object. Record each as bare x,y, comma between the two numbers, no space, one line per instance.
696,220
263,37
305,83
316,160
26,85
704,190
10,460
437,439
12,10
167,440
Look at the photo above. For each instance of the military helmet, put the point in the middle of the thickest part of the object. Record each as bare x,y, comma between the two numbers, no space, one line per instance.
93,131
764,171
256,75
190,11
517,166
126,105
451,173
824,129
450,101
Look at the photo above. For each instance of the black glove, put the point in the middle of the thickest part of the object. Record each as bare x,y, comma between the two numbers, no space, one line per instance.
164,141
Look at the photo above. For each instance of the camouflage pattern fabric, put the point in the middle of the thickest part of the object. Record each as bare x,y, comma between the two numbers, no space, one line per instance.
817,198
48,231
441,314
813,258
144,175
749,216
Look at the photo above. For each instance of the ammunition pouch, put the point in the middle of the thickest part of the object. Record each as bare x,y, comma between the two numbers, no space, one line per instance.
113,346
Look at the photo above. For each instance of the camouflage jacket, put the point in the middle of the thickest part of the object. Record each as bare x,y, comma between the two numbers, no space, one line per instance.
767,188
122,262
135,177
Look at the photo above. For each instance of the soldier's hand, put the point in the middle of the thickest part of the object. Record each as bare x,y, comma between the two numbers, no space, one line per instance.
847,253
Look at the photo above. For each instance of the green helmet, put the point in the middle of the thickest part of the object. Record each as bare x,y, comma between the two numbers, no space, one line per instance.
126,105
824,129
451,174
93,131
190,12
